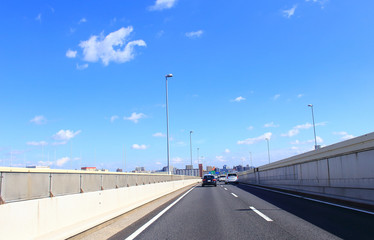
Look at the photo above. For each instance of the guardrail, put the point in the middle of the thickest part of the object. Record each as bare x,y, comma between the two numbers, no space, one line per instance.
19,184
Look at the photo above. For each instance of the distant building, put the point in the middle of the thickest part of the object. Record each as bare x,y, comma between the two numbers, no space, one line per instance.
189,166
139,169
188,172
246,168
88,168
119,170
37,166
201,170
172,169
238,168
209,168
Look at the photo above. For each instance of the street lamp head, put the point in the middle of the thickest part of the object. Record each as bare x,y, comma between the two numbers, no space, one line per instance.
191,131
310,105
169,75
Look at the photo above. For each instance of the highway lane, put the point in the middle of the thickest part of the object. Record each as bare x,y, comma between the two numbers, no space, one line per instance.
344,223
228,211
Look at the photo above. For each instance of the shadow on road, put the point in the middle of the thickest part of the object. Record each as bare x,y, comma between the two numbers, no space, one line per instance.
344,223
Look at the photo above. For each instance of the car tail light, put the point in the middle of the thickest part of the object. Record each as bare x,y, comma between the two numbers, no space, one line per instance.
214,180
204,180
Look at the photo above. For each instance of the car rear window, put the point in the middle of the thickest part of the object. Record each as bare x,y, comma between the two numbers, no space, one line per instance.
209,177
232,174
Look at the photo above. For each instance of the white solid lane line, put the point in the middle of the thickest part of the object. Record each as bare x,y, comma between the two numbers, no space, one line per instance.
225,189
141,229
234,194
261,214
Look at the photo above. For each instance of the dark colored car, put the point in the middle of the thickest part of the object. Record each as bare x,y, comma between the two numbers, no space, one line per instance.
209,180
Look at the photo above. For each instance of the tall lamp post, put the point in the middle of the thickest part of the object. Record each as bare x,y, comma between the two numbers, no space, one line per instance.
198,156
267,139
167,121
191,146
250,158
314,127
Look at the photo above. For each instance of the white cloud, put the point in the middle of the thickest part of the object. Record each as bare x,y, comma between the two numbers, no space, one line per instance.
83,20
162,4
250,128
45,163
65,135
238,99
349,136
159,134
135,117
160,34
271,124
33,143
291,133
220,159
297,142
276,96
82,67
290,12
345,135
139,147
59,143
71,53
227,150
177,160
113,118
60,162
300,95
113,47
321,2
296,130
158,163
39,120
196,34
256,139
39,17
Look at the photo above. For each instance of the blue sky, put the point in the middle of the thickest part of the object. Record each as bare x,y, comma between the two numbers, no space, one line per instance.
82,81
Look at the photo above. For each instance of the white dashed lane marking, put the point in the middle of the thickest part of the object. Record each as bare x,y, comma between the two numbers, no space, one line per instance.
261,214
234,194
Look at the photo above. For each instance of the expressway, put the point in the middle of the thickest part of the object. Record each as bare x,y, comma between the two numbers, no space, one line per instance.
246,212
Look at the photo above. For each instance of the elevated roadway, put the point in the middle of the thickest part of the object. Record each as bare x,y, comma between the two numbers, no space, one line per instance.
247,212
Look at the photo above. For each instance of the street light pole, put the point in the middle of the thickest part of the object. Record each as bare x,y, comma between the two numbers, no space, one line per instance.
167,122
198,157
314,127
250,157
191,146
267,139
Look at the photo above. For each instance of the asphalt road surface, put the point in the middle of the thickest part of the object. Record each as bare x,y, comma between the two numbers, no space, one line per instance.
245,212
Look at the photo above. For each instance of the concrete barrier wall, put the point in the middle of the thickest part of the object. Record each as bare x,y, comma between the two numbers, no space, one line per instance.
64,216
344,171
19,184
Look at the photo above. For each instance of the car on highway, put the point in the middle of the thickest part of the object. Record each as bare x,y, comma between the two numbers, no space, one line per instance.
232,178
209,180
222,178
